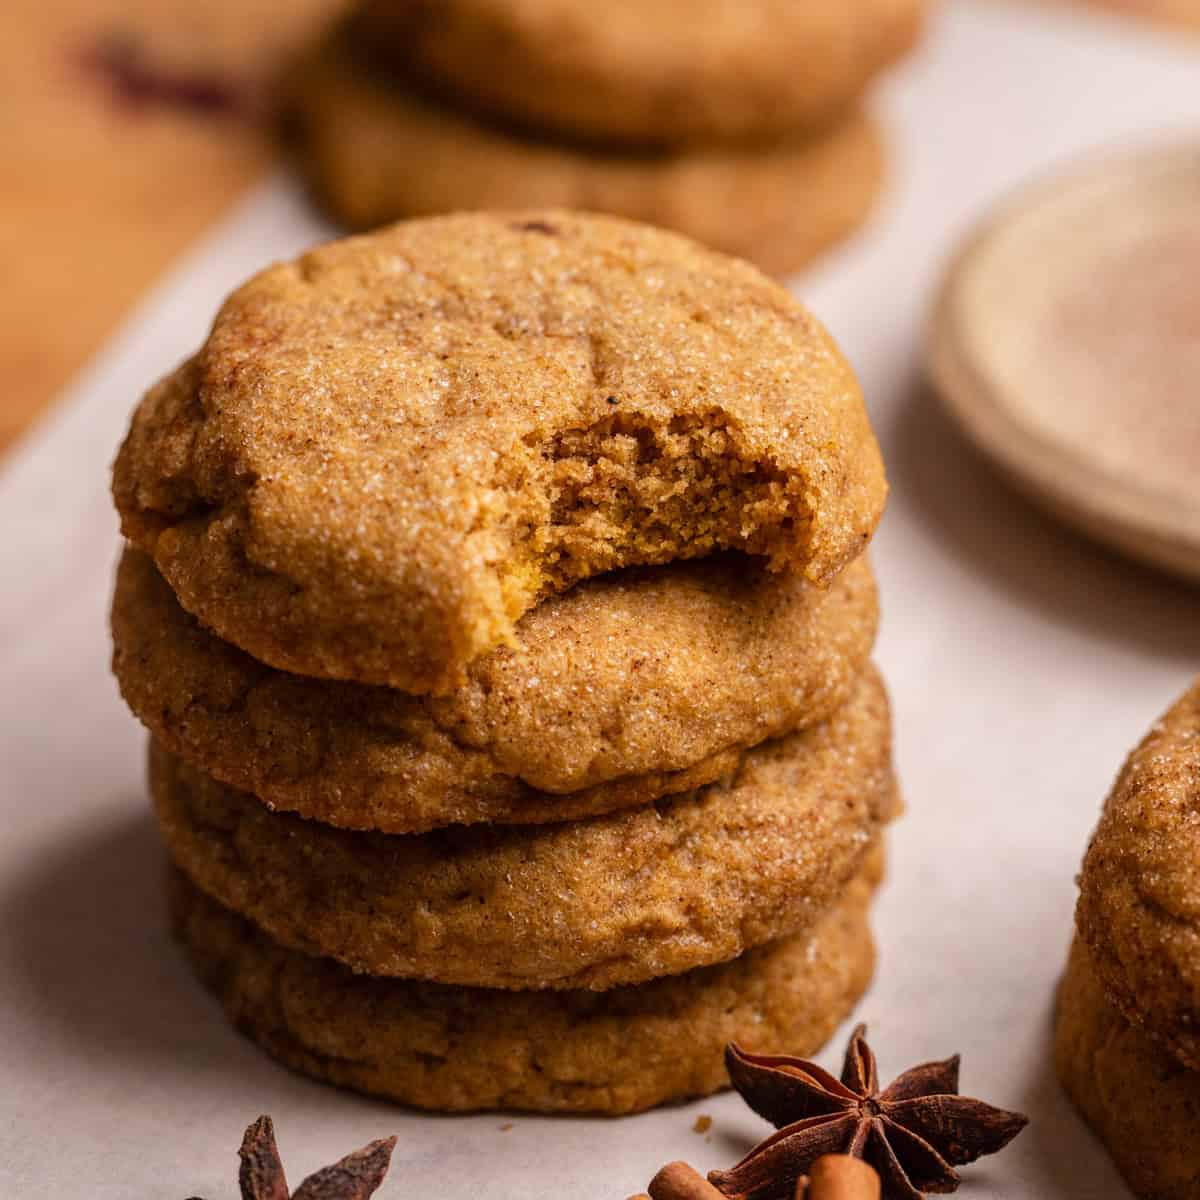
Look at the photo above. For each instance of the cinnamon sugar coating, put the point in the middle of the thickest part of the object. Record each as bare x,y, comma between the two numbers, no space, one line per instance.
648,71
615,899
358,130
627,688
466,1049
391,449
1139,901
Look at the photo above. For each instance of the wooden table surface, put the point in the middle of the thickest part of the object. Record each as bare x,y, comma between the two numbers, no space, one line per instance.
128,127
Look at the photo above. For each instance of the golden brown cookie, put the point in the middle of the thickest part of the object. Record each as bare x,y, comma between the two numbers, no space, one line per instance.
358,133
391,449
626,688
463,1049
648,71
1142,1103
612,900
1139,900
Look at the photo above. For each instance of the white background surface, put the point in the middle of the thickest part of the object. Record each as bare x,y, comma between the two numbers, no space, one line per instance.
1023,663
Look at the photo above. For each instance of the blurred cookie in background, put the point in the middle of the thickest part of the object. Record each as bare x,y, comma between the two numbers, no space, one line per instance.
376,149
648,72
1185,14
740,125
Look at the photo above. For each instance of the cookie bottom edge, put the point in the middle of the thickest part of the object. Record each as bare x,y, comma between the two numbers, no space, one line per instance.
1141,1103
456,1049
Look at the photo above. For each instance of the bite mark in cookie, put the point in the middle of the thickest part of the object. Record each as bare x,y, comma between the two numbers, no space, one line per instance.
390,450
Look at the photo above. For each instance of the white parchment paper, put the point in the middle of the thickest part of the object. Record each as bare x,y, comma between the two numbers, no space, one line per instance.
1023,664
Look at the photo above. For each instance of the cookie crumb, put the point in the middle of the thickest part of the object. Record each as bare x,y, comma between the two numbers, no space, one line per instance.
506,1126
702,1124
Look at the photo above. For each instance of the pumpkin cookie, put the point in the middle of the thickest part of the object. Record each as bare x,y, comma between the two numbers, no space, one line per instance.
648,71
463,1049
1139,901
1142,1102
391,449
358,131
624,689
590,904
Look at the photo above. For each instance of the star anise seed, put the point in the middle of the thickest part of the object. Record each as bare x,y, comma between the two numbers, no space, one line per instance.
260,1175
914,1132
354,1177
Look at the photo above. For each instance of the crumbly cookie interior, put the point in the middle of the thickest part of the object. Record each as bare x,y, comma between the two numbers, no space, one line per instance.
632,491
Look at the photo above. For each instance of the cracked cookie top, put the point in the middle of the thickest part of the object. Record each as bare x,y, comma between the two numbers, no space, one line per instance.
392,448
427,1045
632,686
622,898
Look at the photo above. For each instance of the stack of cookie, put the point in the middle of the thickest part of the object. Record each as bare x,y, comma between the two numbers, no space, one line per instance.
1128,1030
496,600
738,122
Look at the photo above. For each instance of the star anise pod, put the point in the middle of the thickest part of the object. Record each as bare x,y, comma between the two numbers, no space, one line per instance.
354,1177
914,1132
